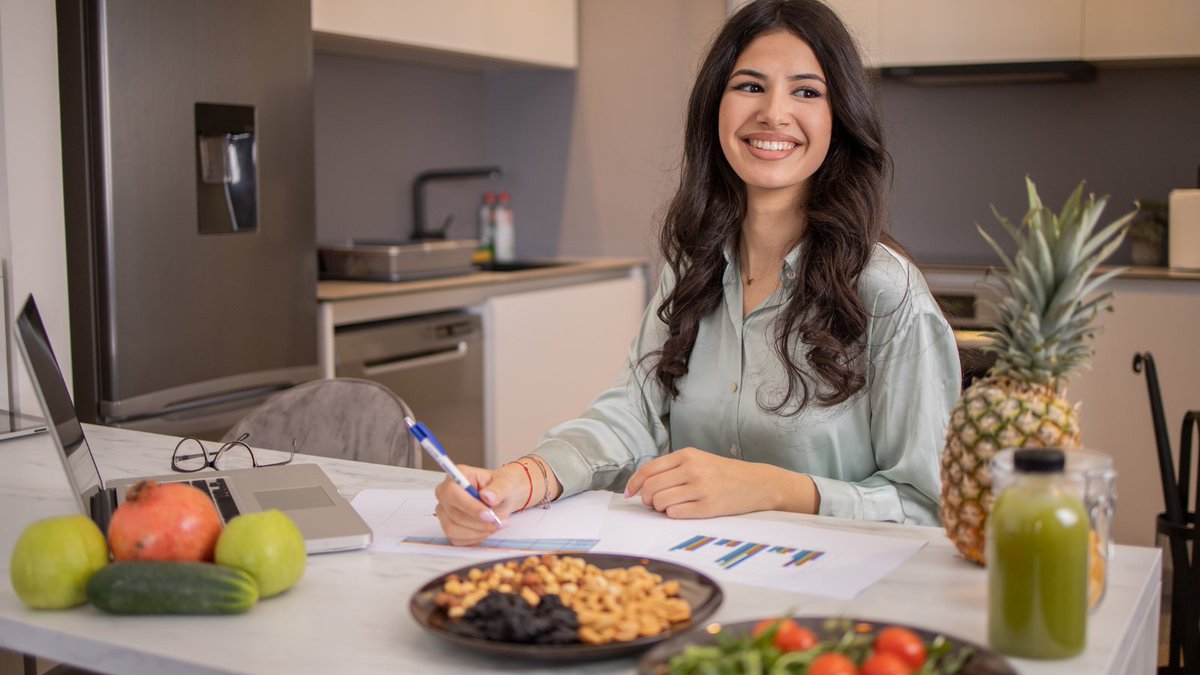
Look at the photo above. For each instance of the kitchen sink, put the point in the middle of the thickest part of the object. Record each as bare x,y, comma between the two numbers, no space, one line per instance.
388,260
518,265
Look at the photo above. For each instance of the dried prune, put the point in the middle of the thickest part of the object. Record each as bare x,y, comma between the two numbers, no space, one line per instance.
507,617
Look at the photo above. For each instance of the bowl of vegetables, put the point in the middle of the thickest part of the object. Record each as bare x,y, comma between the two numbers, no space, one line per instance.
819,646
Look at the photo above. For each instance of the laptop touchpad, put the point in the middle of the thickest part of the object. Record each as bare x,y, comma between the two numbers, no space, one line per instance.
293,499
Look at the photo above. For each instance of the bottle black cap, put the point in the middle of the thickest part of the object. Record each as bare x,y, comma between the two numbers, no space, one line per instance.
1039,460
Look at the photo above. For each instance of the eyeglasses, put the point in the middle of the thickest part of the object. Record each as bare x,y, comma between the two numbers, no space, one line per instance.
190,456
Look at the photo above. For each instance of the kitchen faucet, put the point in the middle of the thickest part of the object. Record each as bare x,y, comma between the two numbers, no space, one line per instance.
420,232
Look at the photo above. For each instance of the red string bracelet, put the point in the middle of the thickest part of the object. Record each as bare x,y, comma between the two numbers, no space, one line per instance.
530,479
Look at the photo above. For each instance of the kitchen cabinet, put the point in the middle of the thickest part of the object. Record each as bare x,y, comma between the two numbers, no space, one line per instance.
541,33
947,32
549,354
938,32
1162,317
553,338
1147,29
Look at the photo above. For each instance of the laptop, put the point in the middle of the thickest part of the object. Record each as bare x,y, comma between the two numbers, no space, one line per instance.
303,491
15,425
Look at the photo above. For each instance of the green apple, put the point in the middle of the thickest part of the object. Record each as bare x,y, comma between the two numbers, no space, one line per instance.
53,560
268,546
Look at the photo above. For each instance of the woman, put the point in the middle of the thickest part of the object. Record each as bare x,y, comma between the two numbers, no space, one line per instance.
791,359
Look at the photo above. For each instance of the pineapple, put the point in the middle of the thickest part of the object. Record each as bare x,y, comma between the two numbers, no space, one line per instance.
1040,339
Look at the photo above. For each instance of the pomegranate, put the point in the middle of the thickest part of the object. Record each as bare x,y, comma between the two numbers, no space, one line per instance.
174,521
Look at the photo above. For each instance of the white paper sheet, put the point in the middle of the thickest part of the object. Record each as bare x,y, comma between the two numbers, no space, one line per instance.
795,558
403,521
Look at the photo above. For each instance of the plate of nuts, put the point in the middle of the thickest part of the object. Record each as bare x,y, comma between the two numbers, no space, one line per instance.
577,607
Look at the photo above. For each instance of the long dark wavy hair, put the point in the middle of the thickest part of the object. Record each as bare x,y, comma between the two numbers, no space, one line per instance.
843,214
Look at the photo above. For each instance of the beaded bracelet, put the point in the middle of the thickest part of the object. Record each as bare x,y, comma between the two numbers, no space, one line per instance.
545,479
530,479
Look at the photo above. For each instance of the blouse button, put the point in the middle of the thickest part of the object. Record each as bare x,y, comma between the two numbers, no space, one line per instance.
735,450
735,387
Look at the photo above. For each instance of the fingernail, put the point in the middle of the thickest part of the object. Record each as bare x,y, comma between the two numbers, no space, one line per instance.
626,493
489,496
486,517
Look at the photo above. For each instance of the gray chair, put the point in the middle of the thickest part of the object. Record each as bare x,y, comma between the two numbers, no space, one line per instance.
342,417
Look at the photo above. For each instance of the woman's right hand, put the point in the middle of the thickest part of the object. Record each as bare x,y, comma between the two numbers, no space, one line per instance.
464,520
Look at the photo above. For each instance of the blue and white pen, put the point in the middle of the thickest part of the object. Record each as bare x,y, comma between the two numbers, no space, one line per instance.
434,448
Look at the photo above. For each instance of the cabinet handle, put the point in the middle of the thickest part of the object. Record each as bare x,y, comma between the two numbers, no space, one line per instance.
391,366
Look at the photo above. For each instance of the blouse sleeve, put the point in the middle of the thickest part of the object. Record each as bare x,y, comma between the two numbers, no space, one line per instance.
914,382
624,427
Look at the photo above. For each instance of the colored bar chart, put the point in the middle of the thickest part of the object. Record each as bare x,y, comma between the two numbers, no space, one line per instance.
745,550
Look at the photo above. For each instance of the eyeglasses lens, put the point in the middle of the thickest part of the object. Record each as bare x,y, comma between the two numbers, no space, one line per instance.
189,455
234,455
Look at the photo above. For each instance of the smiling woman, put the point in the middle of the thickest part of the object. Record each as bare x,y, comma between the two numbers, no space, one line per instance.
793,357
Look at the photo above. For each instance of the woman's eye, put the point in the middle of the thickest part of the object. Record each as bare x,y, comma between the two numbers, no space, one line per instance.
808,92
752,87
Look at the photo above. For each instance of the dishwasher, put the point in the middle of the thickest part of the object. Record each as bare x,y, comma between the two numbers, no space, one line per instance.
435,363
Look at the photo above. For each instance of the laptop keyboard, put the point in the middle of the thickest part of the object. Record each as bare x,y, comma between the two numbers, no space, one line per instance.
219,492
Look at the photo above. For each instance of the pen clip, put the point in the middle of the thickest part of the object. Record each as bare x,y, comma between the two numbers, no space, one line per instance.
422,434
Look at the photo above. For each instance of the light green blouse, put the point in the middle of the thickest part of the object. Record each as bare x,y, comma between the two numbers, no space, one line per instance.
873,457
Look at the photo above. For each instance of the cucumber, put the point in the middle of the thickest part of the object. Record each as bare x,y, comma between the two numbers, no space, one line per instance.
158,587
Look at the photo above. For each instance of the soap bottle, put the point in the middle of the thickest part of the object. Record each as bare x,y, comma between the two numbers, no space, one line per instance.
504,238
1037,561
487,228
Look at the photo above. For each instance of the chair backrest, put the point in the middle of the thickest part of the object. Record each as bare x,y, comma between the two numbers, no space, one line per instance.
342,417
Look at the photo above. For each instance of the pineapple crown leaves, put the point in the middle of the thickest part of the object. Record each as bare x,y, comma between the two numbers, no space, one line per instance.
1046,314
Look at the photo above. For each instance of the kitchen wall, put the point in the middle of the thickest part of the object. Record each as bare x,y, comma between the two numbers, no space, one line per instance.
1132,134
587,154
637,62
377,125
32,238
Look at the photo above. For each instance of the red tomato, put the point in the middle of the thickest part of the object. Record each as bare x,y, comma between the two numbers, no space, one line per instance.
885,663
832,663
903,643
789,637
793,637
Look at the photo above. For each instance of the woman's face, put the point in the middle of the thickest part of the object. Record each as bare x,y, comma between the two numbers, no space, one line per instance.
775,121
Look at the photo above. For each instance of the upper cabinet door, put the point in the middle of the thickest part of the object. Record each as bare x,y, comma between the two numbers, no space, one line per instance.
1121,29
862,17
927,32
529,32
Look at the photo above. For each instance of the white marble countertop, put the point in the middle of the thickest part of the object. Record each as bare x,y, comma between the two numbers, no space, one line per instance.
350,611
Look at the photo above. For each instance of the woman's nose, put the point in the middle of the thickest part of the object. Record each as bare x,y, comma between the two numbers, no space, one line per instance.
773,112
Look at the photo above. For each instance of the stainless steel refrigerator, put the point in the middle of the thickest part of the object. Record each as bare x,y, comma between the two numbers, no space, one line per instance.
188,173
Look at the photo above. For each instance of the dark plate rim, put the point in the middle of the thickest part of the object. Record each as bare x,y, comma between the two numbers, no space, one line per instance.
419,608
985,661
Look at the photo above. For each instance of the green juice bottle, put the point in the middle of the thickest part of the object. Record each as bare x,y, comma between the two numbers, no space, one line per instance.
1037,558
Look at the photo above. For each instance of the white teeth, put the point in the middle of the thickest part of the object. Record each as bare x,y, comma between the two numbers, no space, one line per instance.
772,145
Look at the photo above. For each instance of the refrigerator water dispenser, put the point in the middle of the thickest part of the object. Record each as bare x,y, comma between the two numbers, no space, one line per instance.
226,169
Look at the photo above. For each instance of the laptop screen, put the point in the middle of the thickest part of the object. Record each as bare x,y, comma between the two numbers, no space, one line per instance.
56,402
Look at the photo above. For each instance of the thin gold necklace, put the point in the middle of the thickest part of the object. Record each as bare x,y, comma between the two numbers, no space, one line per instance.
747,275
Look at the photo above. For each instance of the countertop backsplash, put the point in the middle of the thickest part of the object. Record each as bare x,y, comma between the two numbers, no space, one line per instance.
1131,134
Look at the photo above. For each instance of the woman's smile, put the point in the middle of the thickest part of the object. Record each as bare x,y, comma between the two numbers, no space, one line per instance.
771,147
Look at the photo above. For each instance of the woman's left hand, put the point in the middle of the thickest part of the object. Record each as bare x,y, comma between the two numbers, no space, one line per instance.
691,483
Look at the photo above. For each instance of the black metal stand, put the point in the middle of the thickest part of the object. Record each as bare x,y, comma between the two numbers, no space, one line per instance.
1180,612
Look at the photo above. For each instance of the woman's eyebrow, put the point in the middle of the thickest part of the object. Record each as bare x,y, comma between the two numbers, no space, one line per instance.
798,76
